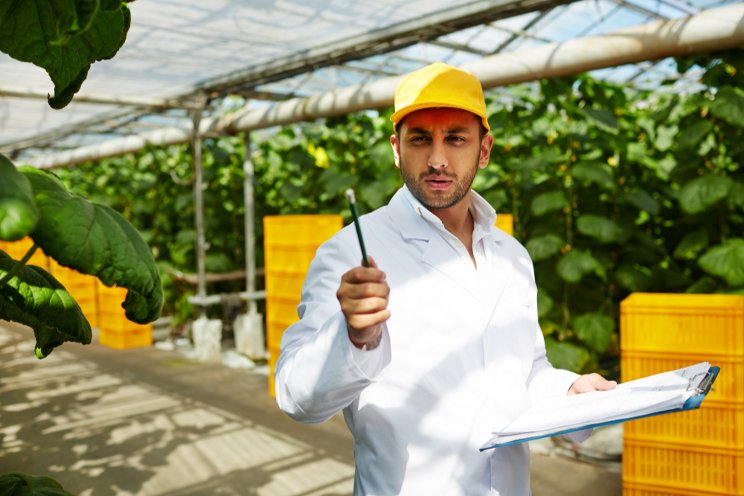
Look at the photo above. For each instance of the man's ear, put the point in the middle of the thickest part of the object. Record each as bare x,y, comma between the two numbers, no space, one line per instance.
396,149
485,150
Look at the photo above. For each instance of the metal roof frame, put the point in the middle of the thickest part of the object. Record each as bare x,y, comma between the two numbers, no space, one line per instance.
369,57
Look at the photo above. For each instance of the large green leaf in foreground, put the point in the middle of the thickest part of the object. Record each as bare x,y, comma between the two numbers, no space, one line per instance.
29,485
18,213
34,298
64,37
96,240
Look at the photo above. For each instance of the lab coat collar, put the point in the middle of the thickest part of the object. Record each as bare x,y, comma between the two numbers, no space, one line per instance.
417,223
407,212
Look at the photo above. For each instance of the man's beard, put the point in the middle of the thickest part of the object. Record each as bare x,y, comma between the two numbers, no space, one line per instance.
459,189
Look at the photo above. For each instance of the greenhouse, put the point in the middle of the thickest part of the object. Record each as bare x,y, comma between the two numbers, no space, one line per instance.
168,170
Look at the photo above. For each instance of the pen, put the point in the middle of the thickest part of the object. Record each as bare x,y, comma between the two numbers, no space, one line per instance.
357,225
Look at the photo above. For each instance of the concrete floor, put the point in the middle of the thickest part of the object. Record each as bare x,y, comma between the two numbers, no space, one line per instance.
153,422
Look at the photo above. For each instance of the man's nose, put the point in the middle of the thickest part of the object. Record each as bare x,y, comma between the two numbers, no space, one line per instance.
437,157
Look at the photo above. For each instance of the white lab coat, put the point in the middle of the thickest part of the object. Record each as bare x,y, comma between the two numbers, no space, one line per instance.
457,361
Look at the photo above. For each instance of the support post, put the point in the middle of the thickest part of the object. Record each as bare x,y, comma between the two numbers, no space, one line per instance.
249,229
201,248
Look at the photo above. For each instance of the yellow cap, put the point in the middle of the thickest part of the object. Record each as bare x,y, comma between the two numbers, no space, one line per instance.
439,85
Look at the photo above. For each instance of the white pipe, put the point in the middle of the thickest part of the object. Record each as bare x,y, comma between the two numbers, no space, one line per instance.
12,91
710,30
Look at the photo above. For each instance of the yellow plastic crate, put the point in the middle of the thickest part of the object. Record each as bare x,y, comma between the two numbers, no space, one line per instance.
131,338
290,243
18,249
729,385
505,222
683,467
274,333
305,229
282,309
89,306
634,489
76,282
284,284
118,322
713,425
280,314
82,287
273,357
706,325
110,299
116,330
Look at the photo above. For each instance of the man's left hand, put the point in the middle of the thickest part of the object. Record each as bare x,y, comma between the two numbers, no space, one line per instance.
591,382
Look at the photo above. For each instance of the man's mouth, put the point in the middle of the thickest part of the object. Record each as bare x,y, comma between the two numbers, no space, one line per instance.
438,182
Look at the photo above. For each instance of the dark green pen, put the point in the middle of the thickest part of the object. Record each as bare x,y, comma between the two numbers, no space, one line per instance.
355,216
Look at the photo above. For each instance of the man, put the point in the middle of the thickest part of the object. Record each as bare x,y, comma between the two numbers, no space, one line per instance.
437,344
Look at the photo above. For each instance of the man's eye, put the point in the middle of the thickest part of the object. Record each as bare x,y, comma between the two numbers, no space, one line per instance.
455,139
419,139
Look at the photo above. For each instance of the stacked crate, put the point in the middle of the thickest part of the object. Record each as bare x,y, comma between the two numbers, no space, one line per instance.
505,222
100,305
18,249
115,330
290,242
82,287
692,453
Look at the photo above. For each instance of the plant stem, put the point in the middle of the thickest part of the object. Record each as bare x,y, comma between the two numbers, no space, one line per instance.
18,266
569,243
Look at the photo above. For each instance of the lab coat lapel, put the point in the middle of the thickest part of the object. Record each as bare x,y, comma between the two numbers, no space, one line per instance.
442,257
435,251
501,266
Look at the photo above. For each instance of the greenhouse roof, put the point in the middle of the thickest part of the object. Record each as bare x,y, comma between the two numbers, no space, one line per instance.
214,57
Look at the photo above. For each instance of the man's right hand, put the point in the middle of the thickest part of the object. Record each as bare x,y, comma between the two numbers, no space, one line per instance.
363,295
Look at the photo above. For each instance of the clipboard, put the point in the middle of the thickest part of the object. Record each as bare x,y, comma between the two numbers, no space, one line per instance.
701,390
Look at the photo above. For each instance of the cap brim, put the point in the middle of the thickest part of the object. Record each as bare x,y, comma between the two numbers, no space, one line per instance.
402,113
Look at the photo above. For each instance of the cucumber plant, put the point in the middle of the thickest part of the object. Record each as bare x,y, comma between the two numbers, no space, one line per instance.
88,237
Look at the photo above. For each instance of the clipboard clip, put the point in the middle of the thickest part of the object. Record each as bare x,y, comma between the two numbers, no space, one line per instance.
704,385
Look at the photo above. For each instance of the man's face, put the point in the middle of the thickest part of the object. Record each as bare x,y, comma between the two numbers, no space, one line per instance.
438,152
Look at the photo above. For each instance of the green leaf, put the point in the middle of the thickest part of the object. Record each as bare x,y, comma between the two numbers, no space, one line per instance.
595,329
542,247
663,166
602,229
544,303
96,240
32,296
565,355
704,285
595,172
602,118
665,137
18,212
336,182
726,261
63,37
18,484
729,105
642,201
548,202
633,277
576,264
637,151
736,195
692,135
691,244
703,192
